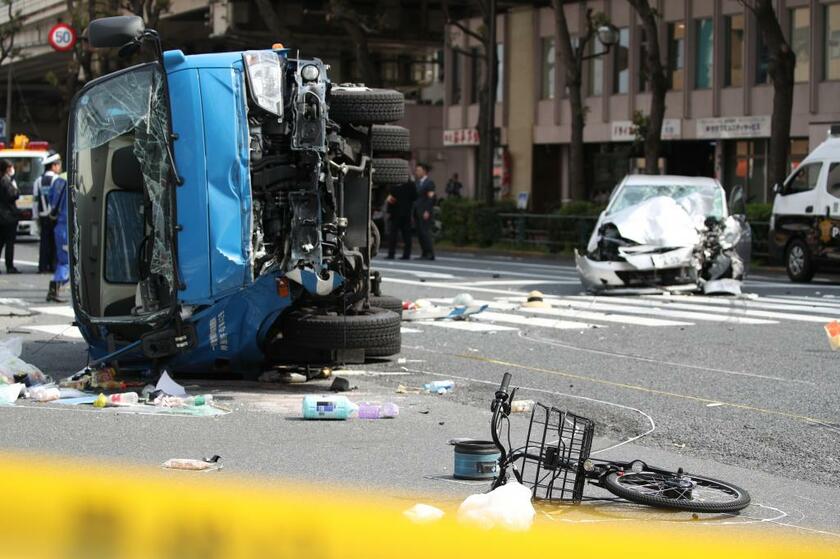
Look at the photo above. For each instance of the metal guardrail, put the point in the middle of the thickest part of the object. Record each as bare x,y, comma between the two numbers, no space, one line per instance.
563,233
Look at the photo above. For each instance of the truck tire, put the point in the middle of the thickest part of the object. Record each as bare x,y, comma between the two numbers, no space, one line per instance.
377,330
799,262
389,171
386,302
386,138
366,106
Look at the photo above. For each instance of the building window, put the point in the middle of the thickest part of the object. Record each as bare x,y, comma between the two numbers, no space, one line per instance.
762,63
455,78
548,61
476,74
746,166
734,64
500,73
676,54
596,72
832,42
621,68
800,42
704,31
644,82
798,151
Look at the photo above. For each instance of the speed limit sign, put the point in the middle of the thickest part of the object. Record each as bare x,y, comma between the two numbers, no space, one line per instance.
62,37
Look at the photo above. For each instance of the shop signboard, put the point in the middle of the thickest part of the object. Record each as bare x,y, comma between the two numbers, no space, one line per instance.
625,130
733,127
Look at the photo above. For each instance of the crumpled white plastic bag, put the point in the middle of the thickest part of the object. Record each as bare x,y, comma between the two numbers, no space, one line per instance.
423,514
10,362
507,507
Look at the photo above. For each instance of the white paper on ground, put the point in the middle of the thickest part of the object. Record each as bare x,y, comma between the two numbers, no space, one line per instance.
423,514
169,386
507,507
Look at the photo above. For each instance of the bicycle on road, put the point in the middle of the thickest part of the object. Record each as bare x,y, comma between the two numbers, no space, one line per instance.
555,463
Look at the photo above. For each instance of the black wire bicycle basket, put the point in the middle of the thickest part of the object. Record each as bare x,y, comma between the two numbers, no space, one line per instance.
562,441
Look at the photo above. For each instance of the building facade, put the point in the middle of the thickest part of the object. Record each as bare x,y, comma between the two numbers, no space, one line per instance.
717,120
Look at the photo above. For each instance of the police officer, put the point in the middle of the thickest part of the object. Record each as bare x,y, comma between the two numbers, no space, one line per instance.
43,189
58,213
8,213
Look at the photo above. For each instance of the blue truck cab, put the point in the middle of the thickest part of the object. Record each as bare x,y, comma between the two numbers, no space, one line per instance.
220,210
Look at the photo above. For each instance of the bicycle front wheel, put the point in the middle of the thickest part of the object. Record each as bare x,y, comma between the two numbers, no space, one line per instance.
678,491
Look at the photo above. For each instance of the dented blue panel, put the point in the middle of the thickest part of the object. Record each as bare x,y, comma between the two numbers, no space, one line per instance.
228,180
192,203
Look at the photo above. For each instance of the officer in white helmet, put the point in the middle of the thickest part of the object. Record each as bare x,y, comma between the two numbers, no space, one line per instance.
42,191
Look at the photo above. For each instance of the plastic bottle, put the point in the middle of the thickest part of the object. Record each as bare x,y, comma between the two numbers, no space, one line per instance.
199,400
327,407
439,386
42,394
368,410
123,399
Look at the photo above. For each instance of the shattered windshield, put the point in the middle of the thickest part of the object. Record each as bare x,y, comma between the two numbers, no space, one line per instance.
120,145
697,200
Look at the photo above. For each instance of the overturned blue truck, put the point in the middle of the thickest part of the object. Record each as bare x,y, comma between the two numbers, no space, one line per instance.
220,210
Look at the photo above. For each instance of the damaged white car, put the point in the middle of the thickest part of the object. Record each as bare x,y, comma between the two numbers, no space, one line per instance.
670,233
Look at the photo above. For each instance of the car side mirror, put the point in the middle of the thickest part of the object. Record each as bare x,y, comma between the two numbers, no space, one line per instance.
777,188
117,31
737,201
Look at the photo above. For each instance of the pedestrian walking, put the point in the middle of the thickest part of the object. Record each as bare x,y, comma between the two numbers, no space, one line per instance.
43,189
8,213
424,209
58,213
453,187
400,204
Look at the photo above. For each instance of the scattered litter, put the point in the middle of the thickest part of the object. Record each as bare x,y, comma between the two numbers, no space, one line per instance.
462,306
369,410
123,399
106,379
402,389
508,507
423,514
71,393
535,300
44,393
284,377
11,365
190,464
327,407
679,445
169,386
340,384
439,386
404,361
832,330
101,401
9,393
713,405
81,400
521,406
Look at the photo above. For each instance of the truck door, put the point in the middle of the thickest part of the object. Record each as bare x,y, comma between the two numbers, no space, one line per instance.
797,207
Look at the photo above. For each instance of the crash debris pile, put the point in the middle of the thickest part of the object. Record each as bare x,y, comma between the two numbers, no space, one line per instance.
461,307
96,387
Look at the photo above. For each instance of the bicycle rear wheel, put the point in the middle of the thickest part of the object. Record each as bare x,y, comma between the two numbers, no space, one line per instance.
680,491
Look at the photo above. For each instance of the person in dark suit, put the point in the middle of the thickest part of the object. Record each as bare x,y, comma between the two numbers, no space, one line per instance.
423,210
400,202
8,213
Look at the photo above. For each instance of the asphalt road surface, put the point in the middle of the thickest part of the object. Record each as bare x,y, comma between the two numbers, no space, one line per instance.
743,389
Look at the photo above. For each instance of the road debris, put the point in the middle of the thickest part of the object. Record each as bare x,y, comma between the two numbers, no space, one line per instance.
423,514
521,406
832,330
535,300
9,393
439,386
327,407
508,507
44,394
11,365
461,307
340,384
190,464
368,410
169,386
402,389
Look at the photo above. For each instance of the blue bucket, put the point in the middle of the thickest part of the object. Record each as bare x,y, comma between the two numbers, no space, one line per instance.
476,460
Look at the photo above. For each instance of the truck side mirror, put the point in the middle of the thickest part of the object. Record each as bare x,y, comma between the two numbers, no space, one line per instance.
737,201
117,31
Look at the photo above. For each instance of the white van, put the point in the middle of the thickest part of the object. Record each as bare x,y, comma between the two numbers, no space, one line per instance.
805,225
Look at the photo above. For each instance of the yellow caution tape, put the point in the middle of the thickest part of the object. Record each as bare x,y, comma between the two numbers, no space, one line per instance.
73,509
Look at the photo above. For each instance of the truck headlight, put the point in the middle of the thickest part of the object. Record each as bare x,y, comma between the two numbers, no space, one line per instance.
309,72
265,79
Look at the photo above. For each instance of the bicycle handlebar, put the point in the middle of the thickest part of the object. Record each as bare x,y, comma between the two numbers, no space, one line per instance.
505,383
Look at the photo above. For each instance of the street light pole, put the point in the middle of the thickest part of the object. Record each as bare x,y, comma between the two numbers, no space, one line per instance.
9,103
490,127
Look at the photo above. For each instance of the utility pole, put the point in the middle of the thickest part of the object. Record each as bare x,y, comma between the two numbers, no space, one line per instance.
9,104
490,140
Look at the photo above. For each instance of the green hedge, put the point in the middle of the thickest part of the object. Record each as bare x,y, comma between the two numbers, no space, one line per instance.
467,222
759,212
569,234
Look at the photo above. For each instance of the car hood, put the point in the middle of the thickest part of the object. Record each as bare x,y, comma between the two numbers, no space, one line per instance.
658,222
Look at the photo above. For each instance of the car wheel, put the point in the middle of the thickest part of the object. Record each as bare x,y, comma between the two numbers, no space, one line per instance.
361,105
385,138
376,331
390,171
799,262
387,302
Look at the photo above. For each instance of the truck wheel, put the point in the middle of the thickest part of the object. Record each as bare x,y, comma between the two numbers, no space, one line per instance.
377,330
388,171
386,138
386,302
799,262
361,105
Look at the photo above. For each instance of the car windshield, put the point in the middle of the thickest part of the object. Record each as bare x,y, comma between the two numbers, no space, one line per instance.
698,200
27,171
